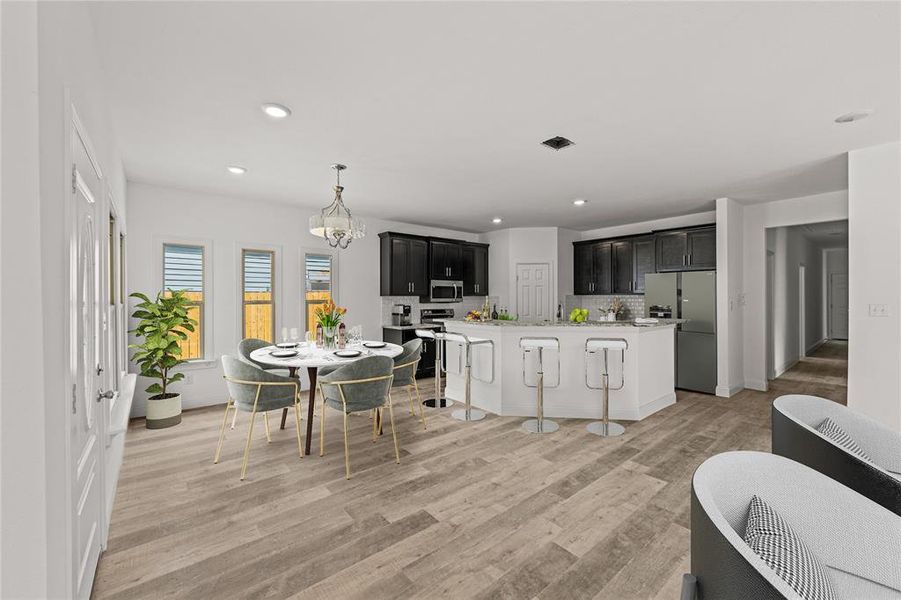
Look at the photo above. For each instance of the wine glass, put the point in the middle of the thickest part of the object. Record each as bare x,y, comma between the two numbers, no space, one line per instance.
310,337
294,335
284,335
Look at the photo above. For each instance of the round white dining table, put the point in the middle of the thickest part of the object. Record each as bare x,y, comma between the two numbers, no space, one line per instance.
311,357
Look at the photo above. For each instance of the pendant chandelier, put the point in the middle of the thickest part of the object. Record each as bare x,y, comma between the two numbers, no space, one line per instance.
334,223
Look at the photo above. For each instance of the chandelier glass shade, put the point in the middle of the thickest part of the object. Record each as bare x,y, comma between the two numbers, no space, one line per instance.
335,224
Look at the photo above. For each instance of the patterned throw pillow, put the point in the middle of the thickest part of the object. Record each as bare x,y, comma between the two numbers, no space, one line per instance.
831,430
774,541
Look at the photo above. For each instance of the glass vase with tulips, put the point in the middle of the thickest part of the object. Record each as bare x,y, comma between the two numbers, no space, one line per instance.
329,316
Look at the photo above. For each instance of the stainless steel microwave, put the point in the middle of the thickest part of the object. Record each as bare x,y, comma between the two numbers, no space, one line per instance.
442,290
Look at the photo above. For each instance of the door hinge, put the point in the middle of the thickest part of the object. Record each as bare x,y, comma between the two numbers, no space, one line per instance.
74,178
74,399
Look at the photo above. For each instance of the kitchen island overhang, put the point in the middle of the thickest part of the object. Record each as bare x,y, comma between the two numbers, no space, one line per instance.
498,369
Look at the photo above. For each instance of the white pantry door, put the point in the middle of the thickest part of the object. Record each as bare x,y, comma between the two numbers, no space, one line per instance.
838,306
86,416
533,291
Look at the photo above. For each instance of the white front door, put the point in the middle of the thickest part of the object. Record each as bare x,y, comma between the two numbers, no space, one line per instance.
838,306
533,291
85,443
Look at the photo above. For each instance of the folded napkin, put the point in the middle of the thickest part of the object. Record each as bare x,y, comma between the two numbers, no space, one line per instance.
646,321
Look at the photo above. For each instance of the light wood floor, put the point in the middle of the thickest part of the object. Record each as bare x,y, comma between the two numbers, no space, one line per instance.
479,510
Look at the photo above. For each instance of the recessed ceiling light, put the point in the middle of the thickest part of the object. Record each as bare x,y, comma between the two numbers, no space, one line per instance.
236,169
856,115
496,220
580,202
276,111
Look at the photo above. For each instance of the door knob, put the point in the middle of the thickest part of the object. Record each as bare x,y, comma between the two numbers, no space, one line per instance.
107,395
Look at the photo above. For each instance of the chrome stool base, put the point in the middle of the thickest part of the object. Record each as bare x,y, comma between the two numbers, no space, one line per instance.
474,414
440,403
609,429
547,426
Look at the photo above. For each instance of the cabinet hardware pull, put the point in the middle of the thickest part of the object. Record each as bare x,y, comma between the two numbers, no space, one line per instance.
683,260
689,258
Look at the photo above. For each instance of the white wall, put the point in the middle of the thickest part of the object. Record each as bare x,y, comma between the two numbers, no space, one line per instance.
831,206
565,239
23,508
522,245
230,224
729,296
835,260
48,56
874,251
792,249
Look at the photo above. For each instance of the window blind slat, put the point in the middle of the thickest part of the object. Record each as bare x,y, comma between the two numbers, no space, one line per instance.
183,267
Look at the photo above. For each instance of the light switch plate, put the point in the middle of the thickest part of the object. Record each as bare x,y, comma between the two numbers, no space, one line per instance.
878,310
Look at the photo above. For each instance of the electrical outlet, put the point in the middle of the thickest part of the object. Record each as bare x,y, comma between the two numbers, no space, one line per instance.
879,310
742,299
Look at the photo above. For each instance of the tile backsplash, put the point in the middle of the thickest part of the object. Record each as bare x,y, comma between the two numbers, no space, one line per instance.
460,308
597,305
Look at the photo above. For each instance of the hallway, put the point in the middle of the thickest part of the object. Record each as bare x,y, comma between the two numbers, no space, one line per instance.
824,373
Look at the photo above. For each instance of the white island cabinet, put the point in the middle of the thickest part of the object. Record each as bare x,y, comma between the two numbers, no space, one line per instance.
498,369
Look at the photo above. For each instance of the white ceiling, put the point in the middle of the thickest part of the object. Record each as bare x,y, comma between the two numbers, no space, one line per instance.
830,233
439,108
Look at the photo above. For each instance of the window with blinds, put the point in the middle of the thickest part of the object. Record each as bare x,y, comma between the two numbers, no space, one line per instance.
318,273
258,294
183,269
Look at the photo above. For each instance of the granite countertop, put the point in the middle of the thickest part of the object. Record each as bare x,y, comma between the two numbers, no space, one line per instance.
413,326
566,323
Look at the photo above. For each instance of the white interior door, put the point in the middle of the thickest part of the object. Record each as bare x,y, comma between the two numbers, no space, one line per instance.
838,306
86,366
533,291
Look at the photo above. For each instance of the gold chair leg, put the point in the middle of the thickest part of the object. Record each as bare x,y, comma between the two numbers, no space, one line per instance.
247,446
266,423
410,396
346,451
222,430
322,425
393,432
297,425
372,415
234,417
419,401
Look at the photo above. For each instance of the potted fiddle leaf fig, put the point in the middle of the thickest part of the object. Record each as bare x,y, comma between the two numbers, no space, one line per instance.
163,323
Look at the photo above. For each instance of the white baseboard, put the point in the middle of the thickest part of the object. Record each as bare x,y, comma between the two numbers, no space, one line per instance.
760,385
785,367
649,408
814,347
727,391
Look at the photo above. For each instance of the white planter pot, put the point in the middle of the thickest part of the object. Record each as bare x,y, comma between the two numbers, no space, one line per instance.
163,412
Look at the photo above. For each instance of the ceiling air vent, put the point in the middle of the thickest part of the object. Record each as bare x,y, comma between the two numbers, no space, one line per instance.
557,143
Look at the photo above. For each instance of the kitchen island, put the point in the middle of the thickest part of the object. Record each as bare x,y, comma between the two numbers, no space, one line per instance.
498,369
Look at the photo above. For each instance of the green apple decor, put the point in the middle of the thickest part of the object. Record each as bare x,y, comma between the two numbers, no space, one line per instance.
163,323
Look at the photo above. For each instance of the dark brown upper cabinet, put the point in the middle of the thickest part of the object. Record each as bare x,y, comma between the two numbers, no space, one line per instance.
592,268
404,265
446,259
409,262
644,261
475,269
689,250
619,266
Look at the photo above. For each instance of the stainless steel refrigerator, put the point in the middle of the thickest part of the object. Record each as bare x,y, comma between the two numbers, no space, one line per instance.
689,295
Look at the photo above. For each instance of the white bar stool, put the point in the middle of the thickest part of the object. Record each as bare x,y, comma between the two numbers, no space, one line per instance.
540,344
604,427
468,413
438,337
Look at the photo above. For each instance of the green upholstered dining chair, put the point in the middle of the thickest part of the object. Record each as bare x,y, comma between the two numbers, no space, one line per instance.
245,347
405,365
254,390
363,385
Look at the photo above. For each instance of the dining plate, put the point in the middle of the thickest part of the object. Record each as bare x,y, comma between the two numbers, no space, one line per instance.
347,353
287,345
283,353
374,344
